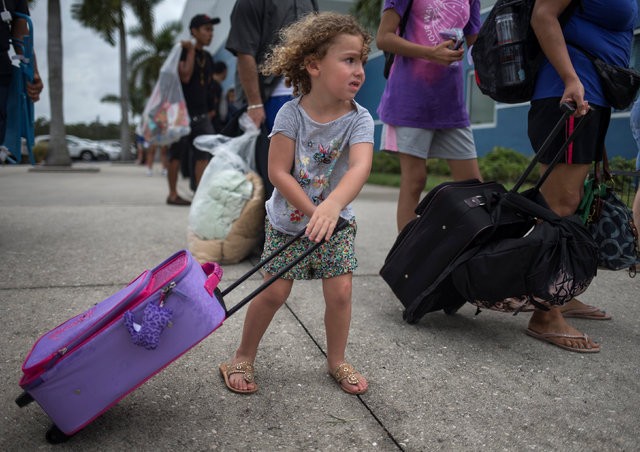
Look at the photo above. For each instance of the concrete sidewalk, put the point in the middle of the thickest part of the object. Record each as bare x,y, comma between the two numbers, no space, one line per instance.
463,382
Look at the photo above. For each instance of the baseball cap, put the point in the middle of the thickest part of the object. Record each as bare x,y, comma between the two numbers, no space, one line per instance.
202,19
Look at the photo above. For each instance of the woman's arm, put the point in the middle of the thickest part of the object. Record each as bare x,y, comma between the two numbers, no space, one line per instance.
325,217
389,41
545,23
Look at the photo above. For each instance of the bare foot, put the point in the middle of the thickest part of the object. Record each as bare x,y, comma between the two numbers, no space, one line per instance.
577,309
349,379
551,327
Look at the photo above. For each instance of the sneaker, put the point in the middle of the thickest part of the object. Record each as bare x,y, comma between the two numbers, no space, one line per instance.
149,172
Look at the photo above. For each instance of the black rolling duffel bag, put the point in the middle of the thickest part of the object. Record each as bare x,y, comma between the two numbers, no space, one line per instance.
458,220
451,217
552,263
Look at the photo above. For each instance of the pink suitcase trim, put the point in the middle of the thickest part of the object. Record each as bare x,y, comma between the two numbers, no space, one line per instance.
87,364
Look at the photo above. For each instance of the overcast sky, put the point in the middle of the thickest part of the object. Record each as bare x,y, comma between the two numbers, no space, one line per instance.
91,69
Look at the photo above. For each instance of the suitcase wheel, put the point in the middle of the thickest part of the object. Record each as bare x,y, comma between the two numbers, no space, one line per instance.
450,310
56,436
410,320
24,399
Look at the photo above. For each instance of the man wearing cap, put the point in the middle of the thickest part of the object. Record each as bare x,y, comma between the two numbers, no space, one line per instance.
195,70
255,26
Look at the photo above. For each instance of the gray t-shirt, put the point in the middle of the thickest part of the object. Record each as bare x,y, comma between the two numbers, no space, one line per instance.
321,158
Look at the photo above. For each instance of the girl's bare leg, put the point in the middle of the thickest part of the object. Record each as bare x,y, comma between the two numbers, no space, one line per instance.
259,316
337,319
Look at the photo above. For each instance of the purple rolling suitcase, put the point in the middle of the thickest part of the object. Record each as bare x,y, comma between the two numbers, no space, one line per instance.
83,367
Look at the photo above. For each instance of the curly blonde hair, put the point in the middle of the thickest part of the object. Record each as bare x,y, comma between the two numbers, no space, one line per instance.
306,40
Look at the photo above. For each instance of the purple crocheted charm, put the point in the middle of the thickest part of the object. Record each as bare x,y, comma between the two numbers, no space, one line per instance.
154,320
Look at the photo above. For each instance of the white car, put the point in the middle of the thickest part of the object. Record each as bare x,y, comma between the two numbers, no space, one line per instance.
80,148
113,149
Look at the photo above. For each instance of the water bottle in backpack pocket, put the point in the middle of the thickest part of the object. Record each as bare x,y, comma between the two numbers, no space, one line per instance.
506,54
511,50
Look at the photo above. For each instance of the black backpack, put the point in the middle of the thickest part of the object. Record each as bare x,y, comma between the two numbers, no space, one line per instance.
506,68
388,56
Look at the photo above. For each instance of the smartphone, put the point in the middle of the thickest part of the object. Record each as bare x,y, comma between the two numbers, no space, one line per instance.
455,34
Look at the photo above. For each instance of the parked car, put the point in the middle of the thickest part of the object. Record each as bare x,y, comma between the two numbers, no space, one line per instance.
113,149
79,148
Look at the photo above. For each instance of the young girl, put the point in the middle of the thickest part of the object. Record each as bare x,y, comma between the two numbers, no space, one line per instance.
319,159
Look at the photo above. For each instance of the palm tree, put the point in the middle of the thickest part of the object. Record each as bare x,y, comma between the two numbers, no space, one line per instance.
368,12
58,154
145,62
107,18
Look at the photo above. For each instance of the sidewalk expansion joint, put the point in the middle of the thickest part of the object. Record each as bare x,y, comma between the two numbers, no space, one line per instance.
367,407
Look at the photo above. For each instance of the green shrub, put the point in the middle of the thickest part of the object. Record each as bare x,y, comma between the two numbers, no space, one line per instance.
624,185
504,165
618,163
40,151
501,164
385,163
438,166
389,163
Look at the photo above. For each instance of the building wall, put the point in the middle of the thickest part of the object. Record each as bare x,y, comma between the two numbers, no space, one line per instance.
507,126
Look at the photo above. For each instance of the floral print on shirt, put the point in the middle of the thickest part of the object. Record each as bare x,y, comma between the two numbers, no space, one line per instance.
321,166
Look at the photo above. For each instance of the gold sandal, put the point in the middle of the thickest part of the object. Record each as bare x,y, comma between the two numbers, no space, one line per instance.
346,371
245,368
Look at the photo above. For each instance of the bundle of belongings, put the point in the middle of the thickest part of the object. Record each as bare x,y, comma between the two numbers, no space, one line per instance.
226,218
165,118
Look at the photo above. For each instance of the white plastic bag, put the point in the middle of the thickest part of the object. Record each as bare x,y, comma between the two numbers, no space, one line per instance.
224,188
165,118
243,145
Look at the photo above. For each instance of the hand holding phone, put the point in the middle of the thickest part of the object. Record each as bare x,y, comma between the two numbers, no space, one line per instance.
454,34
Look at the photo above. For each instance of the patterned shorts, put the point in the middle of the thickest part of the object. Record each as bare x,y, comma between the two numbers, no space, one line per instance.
334,258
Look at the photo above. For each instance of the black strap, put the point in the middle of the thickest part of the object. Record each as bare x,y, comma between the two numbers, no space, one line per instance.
586,53
568,12
567,110
405,18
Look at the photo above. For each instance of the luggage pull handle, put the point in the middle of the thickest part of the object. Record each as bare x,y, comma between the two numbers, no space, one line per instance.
567,109
342,223
214,275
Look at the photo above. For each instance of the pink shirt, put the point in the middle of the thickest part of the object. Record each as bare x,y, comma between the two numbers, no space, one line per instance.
420,93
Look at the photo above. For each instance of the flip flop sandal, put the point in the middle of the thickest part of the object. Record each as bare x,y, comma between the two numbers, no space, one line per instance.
346,371
588,312
245,368
551,338
178,201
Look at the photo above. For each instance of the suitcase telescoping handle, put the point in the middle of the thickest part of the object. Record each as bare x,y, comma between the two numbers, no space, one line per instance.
342,223
567,110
